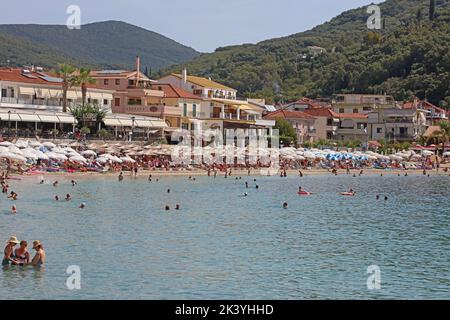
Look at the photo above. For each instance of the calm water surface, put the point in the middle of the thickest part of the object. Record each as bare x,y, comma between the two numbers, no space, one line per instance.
225,246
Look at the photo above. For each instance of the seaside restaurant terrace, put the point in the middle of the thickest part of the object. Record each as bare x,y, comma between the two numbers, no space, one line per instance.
52,124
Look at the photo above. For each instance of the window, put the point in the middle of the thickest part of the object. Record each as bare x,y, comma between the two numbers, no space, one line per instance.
198,92
105,102
133,102
117,82
329,122
379,130
355,110
341,110
117,102
3,92
194,110
185,110
105,82
367,108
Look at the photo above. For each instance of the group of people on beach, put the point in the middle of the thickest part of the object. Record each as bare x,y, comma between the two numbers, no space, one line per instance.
20,256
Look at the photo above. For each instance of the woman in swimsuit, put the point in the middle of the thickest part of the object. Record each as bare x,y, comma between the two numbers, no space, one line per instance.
9,252
39,258
21,254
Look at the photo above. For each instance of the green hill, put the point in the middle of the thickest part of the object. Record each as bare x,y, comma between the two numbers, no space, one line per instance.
109,44
409,56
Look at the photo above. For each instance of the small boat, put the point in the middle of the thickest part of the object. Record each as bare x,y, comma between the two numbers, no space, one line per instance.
347,194
304,193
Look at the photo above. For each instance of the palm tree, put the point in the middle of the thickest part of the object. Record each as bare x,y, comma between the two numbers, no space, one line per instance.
84,78
65,72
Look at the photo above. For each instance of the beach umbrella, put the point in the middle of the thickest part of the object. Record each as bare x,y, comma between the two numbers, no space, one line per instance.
59,150
21,144
14,149
127,159
34,144
49,144
6,144
78,159
427,153
89,153
13,156
102,160
309,155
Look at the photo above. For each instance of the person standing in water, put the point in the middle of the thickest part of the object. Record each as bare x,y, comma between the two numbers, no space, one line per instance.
8,253
39,258
21,254
121,176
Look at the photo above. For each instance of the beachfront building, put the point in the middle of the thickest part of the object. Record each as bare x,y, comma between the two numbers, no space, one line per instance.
361,103
219,106
326,123
302,122
434,114
301,104
204,88
395,124
133,93
31,102
352,126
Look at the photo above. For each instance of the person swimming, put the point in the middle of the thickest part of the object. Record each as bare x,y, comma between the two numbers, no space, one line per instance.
285,205
378,197
177,207
13,195
74,183
300,189
42,181
56,198
55,183
68,197
13,209
168,190
167,207
82,205
257,187
385,198
246,184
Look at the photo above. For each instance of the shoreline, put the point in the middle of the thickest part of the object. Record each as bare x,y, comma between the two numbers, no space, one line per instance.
235,172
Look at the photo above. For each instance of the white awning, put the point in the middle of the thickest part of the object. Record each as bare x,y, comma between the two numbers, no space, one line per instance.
55,93
12,116
42,93
127,122
159,124
26,91
49,118
95,95
112,122
72,94
66,118
143,124
29,117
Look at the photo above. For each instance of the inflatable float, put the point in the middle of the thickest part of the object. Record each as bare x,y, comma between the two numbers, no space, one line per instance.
304,193
347,194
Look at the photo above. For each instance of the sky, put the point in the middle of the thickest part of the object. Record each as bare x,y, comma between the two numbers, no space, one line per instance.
201,24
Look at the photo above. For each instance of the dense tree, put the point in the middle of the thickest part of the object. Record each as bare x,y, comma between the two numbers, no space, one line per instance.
66,73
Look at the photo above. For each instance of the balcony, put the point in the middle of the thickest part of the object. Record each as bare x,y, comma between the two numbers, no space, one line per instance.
350,131
332,128
400,136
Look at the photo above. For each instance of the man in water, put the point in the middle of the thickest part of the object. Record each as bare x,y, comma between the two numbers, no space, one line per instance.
82,206
55,183
285,205
177,207
68,197
121,176
56,198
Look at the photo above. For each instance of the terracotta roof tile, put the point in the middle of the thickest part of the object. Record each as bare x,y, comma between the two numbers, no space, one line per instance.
287,114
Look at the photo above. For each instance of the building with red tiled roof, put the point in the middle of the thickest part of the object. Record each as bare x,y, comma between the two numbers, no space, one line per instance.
36,89
301,105
302,122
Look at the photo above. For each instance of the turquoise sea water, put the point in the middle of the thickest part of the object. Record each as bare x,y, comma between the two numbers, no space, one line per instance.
221,245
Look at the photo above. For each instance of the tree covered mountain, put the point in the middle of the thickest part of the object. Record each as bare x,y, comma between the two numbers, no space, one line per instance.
110,44
409,56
